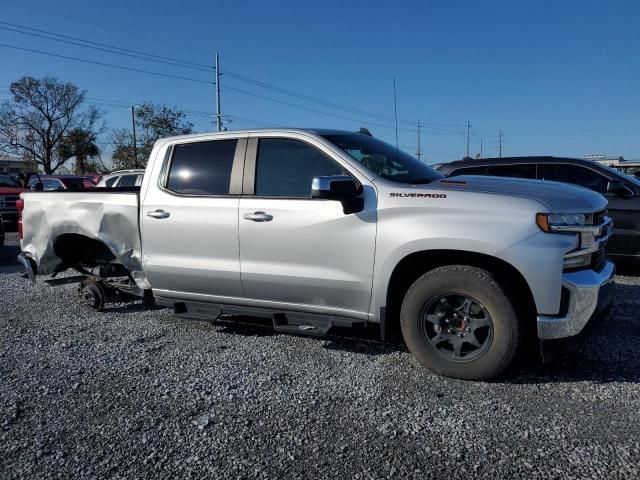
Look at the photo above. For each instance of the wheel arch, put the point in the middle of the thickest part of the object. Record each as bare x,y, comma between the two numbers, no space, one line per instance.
415,264
78,249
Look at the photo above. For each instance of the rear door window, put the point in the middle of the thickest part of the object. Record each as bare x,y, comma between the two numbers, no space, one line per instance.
480,170
109,182
515,170
50,184
585,177
202,168
127,181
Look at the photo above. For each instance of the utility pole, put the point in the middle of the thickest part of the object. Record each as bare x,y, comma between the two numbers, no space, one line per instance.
135,145
218,115
480,147
395,112
500,144
468,132
419,152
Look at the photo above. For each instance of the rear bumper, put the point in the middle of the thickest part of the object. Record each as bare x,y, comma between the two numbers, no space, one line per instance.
590,293
29,267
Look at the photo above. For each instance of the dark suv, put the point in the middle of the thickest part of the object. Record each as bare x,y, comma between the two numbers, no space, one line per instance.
622,191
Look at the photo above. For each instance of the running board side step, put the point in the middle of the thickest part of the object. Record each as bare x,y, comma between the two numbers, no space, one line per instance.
299,323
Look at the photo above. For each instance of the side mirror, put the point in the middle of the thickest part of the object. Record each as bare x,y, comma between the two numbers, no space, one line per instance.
338,187
38,187
618,187
343,188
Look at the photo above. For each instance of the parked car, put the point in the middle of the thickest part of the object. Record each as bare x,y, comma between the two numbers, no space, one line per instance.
56,182
122,178
622,191
323,228
10,191
88,181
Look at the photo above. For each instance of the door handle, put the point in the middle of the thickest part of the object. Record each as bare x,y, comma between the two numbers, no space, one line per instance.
158,214
258,217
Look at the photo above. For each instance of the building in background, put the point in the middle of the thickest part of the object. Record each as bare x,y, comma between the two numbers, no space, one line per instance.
13,164
619,163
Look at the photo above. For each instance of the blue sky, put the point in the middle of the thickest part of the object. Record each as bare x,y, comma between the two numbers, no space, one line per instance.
557,77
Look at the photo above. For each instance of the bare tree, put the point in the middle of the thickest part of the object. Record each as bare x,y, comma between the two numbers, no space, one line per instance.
152,122
42,111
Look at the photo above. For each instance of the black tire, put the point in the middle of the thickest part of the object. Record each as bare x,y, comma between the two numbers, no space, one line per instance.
93,294
431,302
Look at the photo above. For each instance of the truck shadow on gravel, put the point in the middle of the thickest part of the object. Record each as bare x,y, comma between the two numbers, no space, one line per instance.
363,340
9,259
607,351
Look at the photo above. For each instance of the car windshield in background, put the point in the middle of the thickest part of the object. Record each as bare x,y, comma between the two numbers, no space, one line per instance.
383,159
7,180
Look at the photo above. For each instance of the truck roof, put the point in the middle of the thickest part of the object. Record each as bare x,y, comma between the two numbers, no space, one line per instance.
317,131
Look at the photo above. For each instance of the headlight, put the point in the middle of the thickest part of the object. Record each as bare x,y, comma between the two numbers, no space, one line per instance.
546,221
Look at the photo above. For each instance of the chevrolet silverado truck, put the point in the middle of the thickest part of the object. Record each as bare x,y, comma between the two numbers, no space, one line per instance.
323,228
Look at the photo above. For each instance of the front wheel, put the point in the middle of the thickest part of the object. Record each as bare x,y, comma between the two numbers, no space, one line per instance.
459,322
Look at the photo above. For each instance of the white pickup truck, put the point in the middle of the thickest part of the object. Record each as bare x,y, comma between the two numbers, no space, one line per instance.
323,228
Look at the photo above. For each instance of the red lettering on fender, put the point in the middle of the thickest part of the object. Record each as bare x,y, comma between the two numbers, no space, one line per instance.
417,195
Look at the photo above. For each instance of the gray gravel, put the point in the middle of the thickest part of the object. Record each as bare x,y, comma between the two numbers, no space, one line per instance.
131,393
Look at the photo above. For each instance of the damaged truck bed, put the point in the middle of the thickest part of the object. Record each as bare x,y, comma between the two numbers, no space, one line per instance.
83,228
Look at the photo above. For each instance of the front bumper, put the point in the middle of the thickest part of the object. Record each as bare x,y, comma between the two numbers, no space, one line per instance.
590,293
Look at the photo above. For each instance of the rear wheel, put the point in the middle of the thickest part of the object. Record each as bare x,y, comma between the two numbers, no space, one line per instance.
460,323
93,294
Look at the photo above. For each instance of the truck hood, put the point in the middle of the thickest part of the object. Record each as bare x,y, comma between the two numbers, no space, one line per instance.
558,197
11,190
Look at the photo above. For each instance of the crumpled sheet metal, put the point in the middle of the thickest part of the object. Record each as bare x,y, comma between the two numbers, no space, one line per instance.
111,218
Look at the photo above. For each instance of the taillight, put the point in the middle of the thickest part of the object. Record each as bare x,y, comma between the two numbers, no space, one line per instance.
20,207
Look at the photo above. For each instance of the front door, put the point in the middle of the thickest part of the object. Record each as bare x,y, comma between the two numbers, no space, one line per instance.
295,251
190,222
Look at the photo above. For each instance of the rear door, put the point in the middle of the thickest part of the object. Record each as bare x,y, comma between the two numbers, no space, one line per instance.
189,220
299,252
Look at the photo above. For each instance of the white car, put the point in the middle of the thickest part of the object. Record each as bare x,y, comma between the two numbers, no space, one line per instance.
122,178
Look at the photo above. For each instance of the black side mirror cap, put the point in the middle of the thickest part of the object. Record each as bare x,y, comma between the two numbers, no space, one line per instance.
343,188
338,187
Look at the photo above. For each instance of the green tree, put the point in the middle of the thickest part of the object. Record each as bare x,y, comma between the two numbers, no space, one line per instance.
152,123
39,115
81,144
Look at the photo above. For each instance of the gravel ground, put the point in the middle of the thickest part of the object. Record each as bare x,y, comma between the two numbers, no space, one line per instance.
130,393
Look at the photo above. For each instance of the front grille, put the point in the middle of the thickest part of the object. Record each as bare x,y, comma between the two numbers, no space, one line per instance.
8,202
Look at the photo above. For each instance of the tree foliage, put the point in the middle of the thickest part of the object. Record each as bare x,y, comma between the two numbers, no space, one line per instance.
41,113
152,123
81,144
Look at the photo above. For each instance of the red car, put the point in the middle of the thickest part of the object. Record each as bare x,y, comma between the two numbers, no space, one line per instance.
10,191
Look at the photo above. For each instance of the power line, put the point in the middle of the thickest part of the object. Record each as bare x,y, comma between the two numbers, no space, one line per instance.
275,88
111,65
197,66
257,95
109,48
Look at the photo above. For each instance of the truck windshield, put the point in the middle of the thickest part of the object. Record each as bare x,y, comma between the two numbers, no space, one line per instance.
383,159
